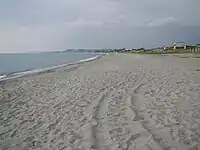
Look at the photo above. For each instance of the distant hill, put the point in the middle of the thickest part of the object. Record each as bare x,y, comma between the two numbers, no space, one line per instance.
87,50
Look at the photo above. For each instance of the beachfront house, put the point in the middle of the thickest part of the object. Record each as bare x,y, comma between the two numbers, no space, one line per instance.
180,45
196,48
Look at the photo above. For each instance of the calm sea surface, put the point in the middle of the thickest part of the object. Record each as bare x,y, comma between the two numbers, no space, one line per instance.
12,63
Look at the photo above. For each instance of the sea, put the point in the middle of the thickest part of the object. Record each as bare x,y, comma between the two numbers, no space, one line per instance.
19,64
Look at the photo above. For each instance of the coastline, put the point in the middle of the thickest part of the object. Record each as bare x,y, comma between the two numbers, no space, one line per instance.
31,72
118,102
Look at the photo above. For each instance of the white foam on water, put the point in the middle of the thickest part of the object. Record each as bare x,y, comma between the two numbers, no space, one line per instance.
24,73
89,59
2,76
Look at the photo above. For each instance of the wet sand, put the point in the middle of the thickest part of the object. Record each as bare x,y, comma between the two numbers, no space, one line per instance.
120,102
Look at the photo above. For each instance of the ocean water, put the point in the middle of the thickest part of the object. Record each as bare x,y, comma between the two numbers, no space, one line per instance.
25,62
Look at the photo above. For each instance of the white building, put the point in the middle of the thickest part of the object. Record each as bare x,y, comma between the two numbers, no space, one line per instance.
180,45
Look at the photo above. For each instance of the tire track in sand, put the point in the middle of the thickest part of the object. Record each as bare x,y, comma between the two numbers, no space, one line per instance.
138,122
100,133
141,121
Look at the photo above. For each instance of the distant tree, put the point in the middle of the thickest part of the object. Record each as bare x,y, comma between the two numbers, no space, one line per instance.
141,49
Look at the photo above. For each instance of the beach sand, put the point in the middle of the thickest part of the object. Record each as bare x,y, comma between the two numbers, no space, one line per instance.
119,102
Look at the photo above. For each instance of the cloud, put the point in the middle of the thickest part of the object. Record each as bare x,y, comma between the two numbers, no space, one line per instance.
38,25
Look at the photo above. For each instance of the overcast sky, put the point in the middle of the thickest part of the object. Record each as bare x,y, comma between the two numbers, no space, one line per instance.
48,25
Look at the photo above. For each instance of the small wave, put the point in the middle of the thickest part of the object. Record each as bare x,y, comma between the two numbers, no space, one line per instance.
2,76
89,59
39,70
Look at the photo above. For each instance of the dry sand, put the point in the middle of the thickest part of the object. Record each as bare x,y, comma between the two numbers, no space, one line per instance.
120,102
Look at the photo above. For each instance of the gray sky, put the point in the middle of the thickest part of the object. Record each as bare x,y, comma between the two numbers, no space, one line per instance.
46,25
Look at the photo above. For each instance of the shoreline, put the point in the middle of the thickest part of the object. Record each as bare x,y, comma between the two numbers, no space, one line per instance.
32,72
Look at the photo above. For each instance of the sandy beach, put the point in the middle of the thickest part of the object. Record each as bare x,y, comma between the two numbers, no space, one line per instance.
119,102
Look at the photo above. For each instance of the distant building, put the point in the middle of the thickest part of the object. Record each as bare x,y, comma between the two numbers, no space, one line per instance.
197,45
180,45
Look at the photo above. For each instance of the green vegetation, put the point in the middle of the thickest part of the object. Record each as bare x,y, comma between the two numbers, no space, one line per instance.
155,52
177,51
